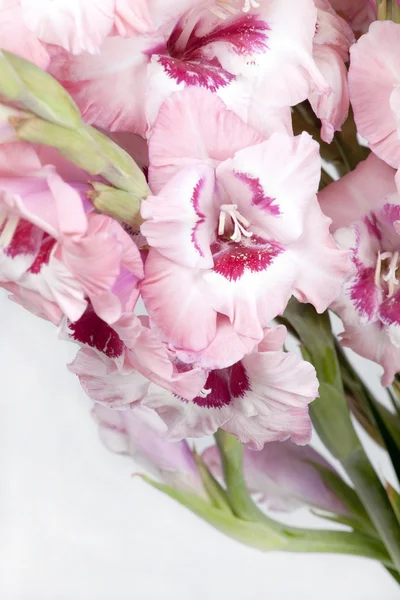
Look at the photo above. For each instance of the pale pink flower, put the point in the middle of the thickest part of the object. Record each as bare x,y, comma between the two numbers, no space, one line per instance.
139,433
374,83
332,41
16,37
284,477
260,62
55,252
365,208
358,13
226,235
263,398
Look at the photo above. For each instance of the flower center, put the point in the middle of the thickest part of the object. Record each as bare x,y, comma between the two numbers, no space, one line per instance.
230,217
389,274
223,8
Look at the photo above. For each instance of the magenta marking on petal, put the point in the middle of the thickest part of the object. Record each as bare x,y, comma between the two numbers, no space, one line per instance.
363,292
24,240
258,199
373,226
219,395
246,35
203,74
43,255
239,382
232,259
94,332
391,212
200,217
389,311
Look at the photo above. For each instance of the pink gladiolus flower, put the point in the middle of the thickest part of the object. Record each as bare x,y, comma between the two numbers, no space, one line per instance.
374,85
284,477
260,399
139,433
233,233
365,208
332,41
263,398
54,253
16,37
241,56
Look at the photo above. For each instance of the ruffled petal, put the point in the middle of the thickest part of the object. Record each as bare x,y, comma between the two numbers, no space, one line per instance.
208,134
173,296
76,25
373,76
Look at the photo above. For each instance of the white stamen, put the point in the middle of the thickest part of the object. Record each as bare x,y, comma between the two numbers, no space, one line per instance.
223,8
248,4
240,223
390,276
205,392
9,229
378,270
3,218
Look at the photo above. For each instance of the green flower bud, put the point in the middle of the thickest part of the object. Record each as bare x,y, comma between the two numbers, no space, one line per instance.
36,91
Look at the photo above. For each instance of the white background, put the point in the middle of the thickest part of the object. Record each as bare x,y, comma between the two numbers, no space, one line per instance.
75,524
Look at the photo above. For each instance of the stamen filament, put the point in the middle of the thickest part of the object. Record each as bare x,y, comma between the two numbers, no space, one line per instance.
378,270
9,229
390,276
205,392
240,223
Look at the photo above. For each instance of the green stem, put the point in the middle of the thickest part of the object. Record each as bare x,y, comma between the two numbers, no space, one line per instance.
269,535
331,418
231,452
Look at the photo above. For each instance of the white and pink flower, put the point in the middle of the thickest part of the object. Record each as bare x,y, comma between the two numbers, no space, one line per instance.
55,252
232,237
262,398
365,209
238,55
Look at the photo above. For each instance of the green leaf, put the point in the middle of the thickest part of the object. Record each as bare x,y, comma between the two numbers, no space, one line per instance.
359,518
340,437
394,498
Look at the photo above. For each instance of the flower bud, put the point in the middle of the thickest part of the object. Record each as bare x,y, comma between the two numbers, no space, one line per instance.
123,206
284,476
87,148
35,90
139,433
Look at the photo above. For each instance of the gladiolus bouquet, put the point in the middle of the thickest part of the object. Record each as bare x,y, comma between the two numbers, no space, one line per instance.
189,189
